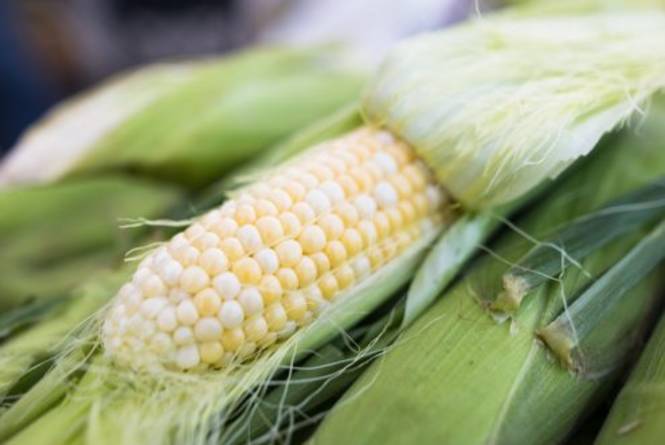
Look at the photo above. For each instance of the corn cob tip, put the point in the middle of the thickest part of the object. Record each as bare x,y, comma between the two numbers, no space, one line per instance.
273,257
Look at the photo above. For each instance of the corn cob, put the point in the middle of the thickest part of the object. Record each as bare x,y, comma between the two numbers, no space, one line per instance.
273,257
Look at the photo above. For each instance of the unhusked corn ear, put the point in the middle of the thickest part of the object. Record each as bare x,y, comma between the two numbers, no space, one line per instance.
275,255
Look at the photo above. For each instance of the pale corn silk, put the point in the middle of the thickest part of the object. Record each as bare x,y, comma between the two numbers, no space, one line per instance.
275,256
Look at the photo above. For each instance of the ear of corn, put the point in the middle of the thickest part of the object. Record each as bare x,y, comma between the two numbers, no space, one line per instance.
188,122
636,416
456,376
486,154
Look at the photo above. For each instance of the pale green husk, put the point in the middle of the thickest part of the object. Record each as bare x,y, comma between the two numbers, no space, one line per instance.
457,376
187,122
638,414
498,105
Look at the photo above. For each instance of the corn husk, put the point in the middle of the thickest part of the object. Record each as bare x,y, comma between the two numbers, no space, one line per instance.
498,105
636,416
52,235
186,122
457,376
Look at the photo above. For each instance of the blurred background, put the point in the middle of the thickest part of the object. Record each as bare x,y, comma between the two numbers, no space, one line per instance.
51,49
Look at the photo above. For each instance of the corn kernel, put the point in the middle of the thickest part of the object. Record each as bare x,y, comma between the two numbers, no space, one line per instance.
322,262
232,248
336,253
312,239
271,288
295,305
256,328
306,271
211,352
207,302
289,253
232,339
352,241
270,229
287,278
276,316
247,270
328,285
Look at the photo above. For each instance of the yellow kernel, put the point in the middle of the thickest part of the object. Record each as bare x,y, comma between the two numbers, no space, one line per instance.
348,185
403,241
270,288
322,172
295,305
345,276
281,199
291,223
401,185
348,213
287,278
352,241
332,226
225,228
382,224
368,232
416,176
421,204
362,178
245,214
312,239
256,328
336,253
232,248
232,339
207,302
247,270
306,271
408,211
314,298
322,262
267,340
271,229
328,285
295,190
211,351
289,253
276,316
396,219
376,257
389,249
265,208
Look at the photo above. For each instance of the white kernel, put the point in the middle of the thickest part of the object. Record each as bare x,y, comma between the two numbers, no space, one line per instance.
318,201
365,205
333,191
126,290
227,284
177,295
169,271
194,231
434,196
384,137
187,313
208,329
151,307
385,194
251,301
166,320
153,286
178,242
193,279
161,343
288,329
141,275
267,259
231,314
205,241
386,163
250,238
362,267
306,179
187,357
289,253
183,336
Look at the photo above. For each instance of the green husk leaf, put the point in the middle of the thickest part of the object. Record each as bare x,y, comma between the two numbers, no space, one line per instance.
456,376
637,414
185,122
500,104
25,315
580,336
577,240
54,235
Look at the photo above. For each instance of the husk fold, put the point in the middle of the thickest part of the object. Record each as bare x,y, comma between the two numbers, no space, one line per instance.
498,105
